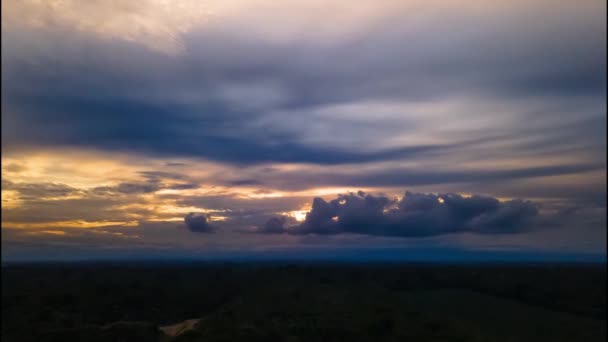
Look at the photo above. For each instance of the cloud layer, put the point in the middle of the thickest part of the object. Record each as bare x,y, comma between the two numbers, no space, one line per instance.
121,119
415,215
235,95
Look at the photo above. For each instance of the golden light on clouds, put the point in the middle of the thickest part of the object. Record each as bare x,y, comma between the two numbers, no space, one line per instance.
157,24
53,232
217,218
33,186
172,209
298,215
10,199
254,195
77,168
68,224
244,112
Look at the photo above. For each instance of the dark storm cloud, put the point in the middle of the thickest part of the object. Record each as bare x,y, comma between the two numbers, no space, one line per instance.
119,96
416,215
198,223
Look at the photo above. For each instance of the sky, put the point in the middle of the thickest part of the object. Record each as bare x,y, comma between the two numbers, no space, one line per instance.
393,130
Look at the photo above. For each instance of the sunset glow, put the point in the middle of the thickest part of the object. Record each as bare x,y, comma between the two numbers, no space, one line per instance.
222,127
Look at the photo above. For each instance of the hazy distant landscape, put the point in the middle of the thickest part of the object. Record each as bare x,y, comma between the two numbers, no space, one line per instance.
303,302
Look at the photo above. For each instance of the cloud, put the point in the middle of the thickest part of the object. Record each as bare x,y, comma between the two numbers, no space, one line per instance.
154,175
198,223
36,191
390,177
415,215
511,216
122,96
155,24
274,225
182,186
130,188
175,164
376,96
127,188
154,181
14,168
244,182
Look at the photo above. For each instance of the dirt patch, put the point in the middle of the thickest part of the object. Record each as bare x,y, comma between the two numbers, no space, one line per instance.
179,328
